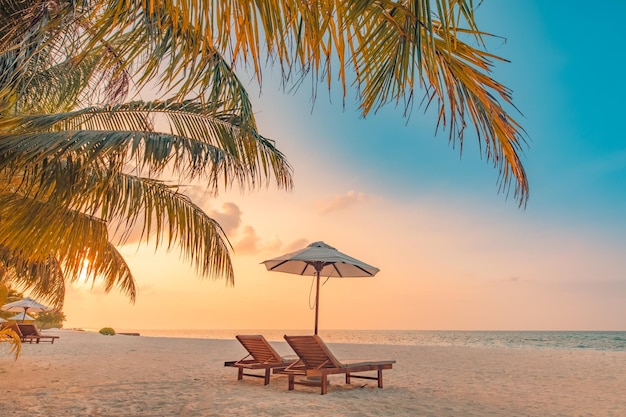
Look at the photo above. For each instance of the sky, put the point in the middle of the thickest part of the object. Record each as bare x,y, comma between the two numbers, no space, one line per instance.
453,253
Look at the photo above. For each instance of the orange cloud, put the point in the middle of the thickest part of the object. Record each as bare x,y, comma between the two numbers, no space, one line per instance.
249,242
341,202
229,217
296,245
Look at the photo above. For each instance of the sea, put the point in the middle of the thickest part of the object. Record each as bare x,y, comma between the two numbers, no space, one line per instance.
592,340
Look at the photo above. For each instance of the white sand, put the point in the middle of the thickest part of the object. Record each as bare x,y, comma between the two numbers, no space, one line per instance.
87,374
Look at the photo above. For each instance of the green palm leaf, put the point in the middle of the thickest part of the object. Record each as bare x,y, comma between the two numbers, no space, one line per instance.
169,216
44,278
68,237
201,141
9,336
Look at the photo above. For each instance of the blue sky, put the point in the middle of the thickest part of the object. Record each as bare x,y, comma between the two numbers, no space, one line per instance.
565,76
453,253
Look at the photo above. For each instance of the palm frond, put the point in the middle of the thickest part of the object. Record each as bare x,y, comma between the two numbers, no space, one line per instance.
166,43
200,141
9,336
29,35
73,237
36,232
456,77
43,277
171,217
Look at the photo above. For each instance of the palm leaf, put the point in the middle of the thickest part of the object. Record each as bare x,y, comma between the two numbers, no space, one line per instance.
169,216
68,236
9,336
43,277
199,142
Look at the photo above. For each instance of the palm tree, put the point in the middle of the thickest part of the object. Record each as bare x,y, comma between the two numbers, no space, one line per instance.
76,157
70,169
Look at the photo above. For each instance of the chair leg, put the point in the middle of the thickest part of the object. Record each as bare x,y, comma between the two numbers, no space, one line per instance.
324,384
267,376
240,374
347,377
380,378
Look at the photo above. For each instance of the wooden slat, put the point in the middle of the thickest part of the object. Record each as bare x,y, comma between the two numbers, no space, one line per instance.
259,348
263,357
317,360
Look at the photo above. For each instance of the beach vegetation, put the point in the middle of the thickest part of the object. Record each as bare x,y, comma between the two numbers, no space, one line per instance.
52,319
107,331
85,162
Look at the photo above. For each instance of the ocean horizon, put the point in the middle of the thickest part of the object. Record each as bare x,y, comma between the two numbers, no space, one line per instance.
561,339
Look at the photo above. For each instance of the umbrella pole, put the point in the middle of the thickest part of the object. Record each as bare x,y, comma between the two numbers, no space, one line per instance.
317,300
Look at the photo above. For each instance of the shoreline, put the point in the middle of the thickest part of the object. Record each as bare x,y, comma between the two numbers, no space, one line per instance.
88,374
561,340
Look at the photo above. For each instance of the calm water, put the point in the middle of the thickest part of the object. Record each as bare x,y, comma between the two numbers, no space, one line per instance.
611,341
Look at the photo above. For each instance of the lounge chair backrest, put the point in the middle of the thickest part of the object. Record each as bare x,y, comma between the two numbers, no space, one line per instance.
259,348
313,352
29,330
14,327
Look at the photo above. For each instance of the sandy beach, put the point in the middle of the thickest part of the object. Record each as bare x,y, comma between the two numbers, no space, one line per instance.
87,374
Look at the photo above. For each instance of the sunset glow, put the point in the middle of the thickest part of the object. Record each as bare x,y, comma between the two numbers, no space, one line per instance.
452,252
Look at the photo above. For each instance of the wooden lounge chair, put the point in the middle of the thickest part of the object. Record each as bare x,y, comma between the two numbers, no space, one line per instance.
15,328
30,333
317,362
261,356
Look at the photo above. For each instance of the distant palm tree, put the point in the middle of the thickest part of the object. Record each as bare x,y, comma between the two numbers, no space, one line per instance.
76,157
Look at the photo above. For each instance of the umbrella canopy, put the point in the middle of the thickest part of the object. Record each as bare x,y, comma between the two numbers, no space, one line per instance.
21,317
24,305
319,259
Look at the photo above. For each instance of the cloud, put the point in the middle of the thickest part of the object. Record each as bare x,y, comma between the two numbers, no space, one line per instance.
245,238
229,217
296,245
200,195
250,243
341,201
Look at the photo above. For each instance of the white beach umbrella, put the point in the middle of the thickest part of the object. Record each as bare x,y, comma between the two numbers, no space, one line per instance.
319,259
24,305
21,317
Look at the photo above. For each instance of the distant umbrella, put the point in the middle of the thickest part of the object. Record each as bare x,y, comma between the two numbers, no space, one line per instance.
21,317
24,305
319,259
